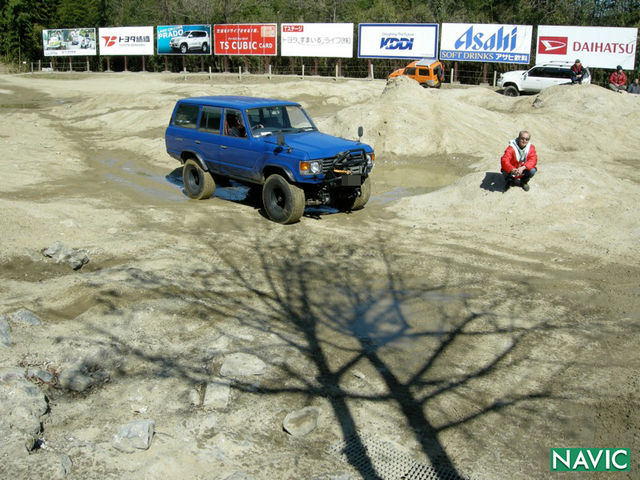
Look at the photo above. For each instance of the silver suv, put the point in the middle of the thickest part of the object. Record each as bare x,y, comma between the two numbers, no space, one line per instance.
191,40
538,78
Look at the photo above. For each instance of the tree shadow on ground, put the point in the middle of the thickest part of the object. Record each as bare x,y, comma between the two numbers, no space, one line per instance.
327,307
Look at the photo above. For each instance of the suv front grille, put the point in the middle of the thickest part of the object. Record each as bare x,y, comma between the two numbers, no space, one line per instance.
358,156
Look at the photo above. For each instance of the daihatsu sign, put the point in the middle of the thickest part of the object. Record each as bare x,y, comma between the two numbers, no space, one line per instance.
600,47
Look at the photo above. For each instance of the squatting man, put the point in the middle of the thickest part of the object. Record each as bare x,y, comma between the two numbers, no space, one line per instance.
519,161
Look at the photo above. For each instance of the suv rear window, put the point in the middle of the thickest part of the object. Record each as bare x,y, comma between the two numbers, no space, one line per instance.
210,120
186,116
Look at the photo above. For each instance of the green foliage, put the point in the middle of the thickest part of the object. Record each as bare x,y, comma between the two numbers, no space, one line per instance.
22,21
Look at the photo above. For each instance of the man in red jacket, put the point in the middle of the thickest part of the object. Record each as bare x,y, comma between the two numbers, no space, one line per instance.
618,80
519,161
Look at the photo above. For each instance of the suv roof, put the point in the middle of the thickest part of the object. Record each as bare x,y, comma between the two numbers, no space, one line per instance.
236,101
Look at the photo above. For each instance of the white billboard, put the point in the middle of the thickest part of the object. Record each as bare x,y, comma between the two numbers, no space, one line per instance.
397,40
69,42
316,40
126,41
473,42
601,47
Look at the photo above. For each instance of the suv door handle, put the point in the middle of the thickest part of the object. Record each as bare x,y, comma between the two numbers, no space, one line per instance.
198,142
223,147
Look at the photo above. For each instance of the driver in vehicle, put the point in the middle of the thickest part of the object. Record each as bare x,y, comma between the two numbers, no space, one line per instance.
235,126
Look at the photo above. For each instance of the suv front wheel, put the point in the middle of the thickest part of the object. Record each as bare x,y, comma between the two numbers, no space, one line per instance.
352,201
282,201
511,91
197,183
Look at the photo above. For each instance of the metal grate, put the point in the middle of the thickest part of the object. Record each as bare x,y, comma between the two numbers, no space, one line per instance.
378,460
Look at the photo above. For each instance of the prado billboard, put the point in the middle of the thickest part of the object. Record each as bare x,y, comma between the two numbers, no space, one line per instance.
600,47
126,41
183,40
316,40
472,42
397,40
246,39
67,42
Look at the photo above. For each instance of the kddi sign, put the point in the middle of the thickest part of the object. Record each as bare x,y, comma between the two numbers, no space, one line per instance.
590,460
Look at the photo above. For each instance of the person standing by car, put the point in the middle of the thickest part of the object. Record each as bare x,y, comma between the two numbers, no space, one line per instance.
634,87
519,161
577,72
618,80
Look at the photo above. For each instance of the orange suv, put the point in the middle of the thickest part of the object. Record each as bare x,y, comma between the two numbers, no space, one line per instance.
426,74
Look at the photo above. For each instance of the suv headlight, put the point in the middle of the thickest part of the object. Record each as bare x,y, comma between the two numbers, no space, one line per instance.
312,167
370,159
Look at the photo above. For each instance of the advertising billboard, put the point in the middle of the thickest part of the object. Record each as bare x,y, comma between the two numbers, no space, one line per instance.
600,47
65,42
316,40
397,40
126,41
472,42
245,39
183,40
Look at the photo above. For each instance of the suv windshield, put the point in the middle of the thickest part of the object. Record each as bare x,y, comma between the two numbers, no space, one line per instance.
286,119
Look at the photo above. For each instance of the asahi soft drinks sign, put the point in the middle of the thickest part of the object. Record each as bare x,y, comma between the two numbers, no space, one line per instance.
600,47
472,42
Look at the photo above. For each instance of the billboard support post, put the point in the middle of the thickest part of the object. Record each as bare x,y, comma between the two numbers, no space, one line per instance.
87,59
303,70
144,69
336,71
70,65
126,69
166,64
184,65
495,74
269,71
315,66
108,64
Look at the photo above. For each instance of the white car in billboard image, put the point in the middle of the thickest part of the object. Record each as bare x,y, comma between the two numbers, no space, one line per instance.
191,40
538,78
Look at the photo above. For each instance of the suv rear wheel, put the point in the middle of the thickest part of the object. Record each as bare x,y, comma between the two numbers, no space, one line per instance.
197,183
282,201
511,91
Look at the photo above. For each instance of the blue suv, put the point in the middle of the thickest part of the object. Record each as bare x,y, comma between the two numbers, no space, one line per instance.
269,143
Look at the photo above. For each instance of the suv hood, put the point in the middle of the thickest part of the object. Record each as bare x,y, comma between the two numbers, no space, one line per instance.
513,73
316,144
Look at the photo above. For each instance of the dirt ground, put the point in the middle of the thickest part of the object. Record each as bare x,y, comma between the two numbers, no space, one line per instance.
448,325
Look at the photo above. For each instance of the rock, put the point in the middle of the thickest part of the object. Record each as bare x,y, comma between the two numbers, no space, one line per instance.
301,422
5,332
242,364
134,436
26,317
81,376
216,395
65,465
239,476
60,253
23,406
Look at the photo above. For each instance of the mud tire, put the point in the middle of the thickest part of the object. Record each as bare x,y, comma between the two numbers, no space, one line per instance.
282,201
352,202
511,91
198,184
